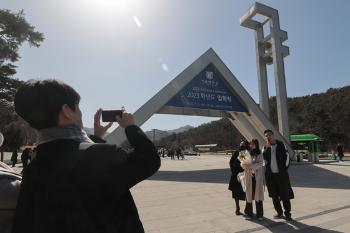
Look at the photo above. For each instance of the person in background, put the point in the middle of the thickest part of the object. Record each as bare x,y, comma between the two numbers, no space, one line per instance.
171,152
340,152
25,157
32,154
14,158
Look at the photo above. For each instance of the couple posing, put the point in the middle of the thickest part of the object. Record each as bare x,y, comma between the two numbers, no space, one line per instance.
270,165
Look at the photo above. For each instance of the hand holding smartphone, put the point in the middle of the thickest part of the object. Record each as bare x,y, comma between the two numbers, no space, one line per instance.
111,115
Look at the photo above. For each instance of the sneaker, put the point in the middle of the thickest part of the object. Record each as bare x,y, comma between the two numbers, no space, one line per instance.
289,218
278,216
238,212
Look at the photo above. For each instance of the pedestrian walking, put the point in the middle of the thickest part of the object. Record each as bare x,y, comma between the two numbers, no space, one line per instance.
14,158
25,157
340,152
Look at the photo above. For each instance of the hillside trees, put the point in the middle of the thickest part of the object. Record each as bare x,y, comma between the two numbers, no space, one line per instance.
325,114
14,31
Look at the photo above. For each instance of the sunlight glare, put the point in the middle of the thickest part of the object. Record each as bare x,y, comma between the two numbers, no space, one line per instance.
165,67
111,7
137,21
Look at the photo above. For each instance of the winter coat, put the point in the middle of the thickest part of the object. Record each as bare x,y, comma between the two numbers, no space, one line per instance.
235,186
68,190
278,184
257,167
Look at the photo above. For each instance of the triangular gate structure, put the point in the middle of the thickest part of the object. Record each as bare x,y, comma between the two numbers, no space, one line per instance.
206,88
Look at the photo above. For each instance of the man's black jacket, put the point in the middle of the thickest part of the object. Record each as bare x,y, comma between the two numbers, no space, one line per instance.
67,190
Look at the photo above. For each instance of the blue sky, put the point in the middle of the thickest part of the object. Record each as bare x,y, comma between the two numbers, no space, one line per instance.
122,52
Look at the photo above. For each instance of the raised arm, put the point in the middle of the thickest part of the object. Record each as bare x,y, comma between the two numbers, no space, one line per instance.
119,168
143,161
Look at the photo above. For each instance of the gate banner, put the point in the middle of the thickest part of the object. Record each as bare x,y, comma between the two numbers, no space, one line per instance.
207,91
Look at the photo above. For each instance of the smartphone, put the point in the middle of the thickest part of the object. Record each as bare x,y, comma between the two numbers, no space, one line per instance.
110,115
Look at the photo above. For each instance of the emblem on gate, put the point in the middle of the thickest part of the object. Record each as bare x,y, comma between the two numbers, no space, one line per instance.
209,75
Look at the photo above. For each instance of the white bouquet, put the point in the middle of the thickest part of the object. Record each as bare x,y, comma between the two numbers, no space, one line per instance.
244,157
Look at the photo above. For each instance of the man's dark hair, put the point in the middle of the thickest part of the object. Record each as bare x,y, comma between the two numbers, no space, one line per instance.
39,101
268,131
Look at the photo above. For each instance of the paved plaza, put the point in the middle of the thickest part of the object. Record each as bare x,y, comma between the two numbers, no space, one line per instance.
191,196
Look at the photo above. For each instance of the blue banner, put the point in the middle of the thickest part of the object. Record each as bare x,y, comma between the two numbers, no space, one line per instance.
207,91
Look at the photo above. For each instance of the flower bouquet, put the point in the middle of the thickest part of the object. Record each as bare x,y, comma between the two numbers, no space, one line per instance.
244,157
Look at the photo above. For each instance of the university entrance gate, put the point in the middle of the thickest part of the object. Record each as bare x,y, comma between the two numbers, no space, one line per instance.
206,88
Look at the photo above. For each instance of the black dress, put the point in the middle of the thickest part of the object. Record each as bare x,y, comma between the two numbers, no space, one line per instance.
235,186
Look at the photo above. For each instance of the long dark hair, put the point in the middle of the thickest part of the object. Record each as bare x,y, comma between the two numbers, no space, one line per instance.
256,151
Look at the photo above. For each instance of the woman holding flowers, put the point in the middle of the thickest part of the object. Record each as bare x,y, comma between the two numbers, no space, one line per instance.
254,174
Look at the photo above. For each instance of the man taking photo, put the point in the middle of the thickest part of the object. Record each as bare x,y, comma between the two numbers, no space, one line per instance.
74,185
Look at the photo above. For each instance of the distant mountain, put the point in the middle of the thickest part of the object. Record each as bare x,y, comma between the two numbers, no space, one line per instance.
181,129
156,134
220,132
325,114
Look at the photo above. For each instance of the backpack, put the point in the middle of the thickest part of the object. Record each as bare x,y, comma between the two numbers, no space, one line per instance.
10,183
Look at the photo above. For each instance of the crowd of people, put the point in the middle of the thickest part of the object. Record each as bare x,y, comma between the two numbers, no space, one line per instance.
27,155
172,152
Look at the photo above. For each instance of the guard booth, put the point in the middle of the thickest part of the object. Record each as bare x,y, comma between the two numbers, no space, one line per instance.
306,146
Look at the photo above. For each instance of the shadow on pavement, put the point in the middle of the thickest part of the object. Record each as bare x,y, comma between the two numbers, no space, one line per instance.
316,177
293,226
301,176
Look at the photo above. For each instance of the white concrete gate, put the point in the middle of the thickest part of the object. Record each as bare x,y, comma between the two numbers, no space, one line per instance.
206,88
